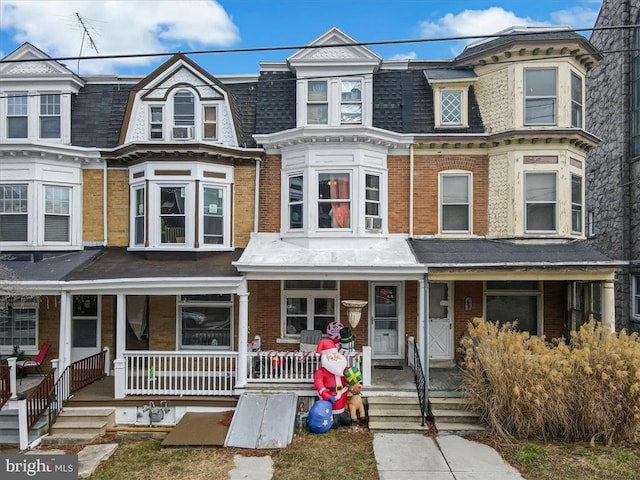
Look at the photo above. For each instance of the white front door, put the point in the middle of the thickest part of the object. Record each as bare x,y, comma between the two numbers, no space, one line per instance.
386,320
85,326
440,323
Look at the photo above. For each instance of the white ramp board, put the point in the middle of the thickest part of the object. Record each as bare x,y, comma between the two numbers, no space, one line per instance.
263,421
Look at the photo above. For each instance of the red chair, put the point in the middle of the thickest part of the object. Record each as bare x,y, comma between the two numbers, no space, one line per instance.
35,363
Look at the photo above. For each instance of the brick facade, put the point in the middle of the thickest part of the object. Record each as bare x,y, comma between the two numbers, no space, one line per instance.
92,205
243,202
118,205
269,207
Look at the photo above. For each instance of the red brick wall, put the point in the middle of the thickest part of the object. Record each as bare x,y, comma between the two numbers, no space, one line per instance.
398,194
410,310
462,290
269,207
49,327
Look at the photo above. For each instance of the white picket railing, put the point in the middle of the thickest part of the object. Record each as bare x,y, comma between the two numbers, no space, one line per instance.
180,373
289,367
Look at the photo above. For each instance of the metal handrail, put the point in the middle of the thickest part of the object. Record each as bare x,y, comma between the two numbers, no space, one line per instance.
421,384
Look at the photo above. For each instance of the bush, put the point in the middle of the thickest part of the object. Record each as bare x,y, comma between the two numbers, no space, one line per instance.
586,389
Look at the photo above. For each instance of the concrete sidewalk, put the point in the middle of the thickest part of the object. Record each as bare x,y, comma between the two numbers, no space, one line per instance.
408,456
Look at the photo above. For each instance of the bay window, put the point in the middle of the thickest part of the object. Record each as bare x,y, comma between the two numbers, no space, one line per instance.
18,324
334,200
13,213
213,215
17,115
576,101
57,209
50,115
172,214
576,204
309,305
205,321
296,201
540,202
139,214
372,205
455,204
540,96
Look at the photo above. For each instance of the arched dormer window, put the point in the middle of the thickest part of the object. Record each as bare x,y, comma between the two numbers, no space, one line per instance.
183,114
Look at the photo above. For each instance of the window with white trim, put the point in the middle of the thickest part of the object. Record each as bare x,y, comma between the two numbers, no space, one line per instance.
213,215
317,102
14,213
635,297
156,123
372,203
514,301
309,305
18,324
576,101
451,107
576,204
172,214
210,123
139,216
57,210
17,115
334,200
184,115
296,201
351,102
541,196
455,202
540,96
50,115
84,321
205,322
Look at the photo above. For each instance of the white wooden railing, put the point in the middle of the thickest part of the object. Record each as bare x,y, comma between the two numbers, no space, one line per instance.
178,373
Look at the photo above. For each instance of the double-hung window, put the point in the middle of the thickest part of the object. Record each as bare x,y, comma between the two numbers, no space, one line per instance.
334,200
576,101
576,204
205,321
213,215
209,126
156,123
57,209
18,324
317,102
17,115
139,216
183,115
540,202
372,205
172,214
13,213
635,297
455,203
351,102
50,115
309,305
296,202
540,96
451,108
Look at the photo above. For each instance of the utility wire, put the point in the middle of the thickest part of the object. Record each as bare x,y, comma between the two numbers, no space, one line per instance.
336,45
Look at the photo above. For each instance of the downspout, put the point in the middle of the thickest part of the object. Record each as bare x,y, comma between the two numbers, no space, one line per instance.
104,208
256,200
411,191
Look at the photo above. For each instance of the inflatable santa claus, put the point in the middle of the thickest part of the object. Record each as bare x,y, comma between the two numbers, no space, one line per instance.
329,381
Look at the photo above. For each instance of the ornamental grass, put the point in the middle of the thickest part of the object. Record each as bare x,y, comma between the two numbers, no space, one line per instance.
586,388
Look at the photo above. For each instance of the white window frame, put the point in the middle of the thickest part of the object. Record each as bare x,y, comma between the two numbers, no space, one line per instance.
208,122
440,89
68,215
334,102
48,114
373,223
635,297
226,214
530,97
317,102
310,295
442,205
6,203
224,304
527,202
23,305
577,206
513,292
350,102
156,127
577,104
293,203
139,214
349,201
25,114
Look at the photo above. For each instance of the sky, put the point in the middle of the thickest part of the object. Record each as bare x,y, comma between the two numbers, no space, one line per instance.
72,28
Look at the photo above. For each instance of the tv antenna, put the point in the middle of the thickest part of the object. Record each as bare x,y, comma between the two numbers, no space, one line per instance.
85,34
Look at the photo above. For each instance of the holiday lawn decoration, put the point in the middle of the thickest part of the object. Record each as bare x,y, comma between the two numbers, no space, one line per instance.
329,381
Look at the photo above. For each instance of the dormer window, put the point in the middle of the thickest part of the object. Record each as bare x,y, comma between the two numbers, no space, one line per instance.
351,102
156,123
334,102
451,108
210,122
50,115
17,118
317,102
183,115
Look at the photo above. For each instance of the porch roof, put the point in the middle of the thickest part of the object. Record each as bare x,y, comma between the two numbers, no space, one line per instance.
43,266
484,253
269,257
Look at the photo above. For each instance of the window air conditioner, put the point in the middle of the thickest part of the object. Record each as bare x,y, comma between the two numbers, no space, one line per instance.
373,223
182,133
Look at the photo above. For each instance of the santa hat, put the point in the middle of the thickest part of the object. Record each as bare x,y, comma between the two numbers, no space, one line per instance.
326,346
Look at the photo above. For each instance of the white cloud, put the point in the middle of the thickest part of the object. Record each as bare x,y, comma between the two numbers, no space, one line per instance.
576,17
118,27
404,56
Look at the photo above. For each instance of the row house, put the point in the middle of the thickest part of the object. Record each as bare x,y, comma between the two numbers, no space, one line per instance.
174,218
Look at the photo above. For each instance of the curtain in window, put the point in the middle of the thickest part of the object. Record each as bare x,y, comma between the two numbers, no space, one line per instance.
137,314
339,188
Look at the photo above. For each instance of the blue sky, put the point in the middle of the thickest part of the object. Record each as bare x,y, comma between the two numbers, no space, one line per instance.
123,27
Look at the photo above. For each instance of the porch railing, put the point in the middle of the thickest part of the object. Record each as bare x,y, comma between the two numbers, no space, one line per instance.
179,373
5,384
293,367
418,374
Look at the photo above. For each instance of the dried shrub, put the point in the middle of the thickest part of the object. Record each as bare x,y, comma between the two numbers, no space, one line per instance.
586,389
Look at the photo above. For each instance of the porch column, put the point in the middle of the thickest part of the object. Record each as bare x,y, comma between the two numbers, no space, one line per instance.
121,325
243,335
422,322
64,342
608,307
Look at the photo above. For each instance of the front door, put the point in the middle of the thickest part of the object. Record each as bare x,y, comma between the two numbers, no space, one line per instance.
386,321
85,327
440,323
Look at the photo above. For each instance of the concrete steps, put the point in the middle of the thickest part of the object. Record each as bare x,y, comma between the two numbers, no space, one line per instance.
451,415
78,426
9,432
395,414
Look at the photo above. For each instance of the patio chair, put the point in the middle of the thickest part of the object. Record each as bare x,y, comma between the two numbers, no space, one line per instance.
36,363
309,340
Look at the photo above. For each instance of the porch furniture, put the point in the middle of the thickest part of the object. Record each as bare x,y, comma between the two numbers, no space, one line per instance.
309,340
36,363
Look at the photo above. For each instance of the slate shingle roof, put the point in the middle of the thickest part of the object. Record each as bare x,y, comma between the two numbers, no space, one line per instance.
276,106
245,95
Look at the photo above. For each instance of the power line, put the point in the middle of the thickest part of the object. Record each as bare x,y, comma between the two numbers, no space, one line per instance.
336,45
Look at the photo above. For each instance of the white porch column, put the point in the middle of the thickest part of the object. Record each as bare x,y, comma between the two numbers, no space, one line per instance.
243,335
119,367
11,362
422,339
64,343
608,307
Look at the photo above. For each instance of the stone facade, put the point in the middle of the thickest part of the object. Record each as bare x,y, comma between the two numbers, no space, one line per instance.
613,181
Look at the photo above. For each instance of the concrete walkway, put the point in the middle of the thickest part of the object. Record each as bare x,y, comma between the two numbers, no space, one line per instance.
408,456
